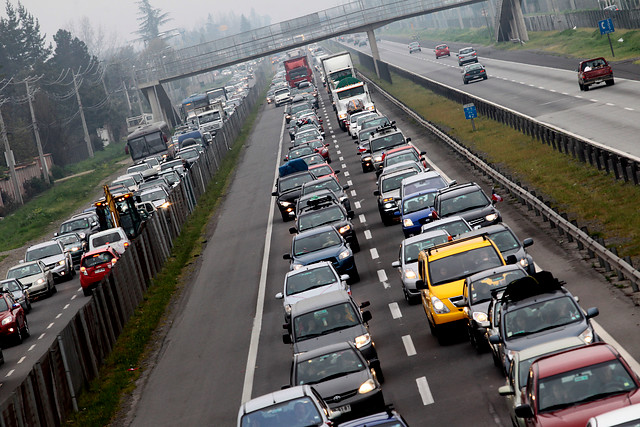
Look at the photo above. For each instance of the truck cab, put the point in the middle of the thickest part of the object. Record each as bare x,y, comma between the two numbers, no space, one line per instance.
593,71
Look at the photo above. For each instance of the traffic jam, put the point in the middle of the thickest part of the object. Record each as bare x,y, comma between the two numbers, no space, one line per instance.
456,257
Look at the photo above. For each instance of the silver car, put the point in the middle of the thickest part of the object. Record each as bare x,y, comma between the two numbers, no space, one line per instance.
53,255
466,55
19,292
35,276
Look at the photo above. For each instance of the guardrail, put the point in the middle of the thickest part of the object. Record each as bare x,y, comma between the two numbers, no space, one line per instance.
49,391
595,247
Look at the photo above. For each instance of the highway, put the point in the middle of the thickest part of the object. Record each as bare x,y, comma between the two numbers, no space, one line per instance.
225,340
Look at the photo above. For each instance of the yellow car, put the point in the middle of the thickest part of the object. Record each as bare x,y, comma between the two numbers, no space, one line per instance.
442,270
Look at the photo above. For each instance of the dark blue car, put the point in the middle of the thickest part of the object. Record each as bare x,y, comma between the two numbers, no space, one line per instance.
415,209
323,244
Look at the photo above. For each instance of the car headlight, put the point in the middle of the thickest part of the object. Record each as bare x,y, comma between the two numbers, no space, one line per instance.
7,320
362,340
409,274
344,229
297,266
285,204
480,317
367,386
75,248
287,309
371,108
342,116
40,281
62,262
367,158
165,205
586,336
438,306
377,159
82,235
524,263
491,217
407,222
344,254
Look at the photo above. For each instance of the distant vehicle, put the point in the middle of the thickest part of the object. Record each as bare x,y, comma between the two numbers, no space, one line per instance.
473,72
414,47
442,50
116,238
298,70
191,104
594,71
150,140
467,54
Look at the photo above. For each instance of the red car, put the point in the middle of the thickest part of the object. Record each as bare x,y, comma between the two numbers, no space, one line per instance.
321,171
95,265
442,50
13,320
321,148
567,388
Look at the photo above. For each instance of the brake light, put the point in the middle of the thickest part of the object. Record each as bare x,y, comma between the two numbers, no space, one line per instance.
126,244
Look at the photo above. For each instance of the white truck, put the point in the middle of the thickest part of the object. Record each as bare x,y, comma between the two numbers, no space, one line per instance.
336,67
351,96
213,118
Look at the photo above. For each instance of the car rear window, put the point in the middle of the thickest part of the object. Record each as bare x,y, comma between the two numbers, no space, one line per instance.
97,259
106,239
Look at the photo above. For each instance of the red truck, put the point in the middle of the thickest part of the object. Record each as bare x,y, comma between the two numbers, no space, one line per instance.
593,71
297,70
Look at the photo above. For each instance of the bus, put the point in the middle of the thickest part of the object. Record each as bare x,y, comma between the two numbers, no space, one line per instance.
217,94
152,140
193,103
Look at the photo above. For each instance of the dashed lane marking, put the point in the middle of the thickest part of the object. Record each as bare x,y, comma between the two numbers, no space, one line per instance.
65,307
382,275
10,373
425,392
349,183
374,253
357,205
408,345
346,173
50,325
353,193
59,315
362,218
367,234
395,310
41,336
343,165
22,359
32,347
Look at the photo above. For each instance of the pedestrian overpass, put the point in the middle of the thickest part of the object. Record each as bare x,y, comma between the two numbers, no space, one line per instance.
353,17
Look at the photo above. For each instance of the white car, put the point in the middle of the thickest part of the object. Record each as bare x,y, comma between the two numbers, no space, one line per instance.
35,276
353,122
156,195
114,237
54,257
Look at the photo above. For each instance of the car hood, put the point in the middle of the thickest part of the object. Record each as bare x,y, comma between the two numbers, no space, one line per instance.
52,259
29,280
417,216
292,299
348,334
393,193
570,330
519,253
579,415
330,252
474,214
290,195
341,385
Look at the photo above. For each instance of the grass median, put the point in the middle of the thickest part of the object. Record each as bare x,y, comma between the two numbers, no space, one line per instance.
99,404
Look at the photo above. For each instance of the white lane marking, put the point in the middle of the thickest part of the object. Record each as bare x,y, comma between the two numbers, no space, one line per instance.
357,205
367,234
346,173
10,373
333,136
349,183
331,131
540,87
552,90
22,359
41,336
59,315
609,339
565,93
629,109
395,310
252,356
408,345
79,289
425,392
353,193
374,253
362,218
50,325
343,165
32,347
74,297
341,159
338,152
593,100
65,307
610,104
382,275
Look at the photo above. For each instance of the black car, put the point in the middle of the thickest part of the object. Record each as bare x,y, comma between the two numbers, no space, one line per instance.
342,376
74,246
328,183
324,211
469,201
473,72
307,200
288,190
84,224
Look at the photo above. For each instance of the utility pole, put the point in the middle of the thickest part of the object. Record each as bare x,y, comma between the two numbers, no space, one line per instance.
126,94
10,161
87,139
43,163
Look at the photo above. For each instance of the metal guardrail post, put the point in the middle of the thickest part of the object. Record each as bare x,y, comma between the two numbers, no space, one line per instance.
67,374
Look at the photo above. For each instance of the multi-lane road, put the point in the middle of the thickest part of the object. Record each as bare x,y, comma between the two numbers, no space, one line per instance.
225,341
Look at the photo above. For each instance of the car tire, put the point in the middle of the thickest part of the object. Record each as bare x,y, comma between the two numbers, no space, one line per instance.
28,304
364,169
18,336
610,82
355,245
581,86
26,331
87,292
378,370
473,339
354,276
585,87
465,82
485,78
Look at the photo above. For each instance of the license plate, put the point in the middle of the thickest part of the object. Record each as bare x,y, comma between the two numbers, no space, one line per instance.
99,270
344,409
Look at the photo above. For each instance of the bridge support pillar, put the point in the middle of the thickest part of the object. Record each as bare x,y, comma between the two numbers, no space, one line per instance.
374,49
518,21
161,106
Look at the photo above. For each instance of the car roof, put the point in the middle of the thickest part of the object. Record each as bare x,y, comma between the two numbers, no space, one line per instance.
99,251
575,358
308,267
320,301
550,346
397,168
152,190
460,188
275,397
307,355
494,270
44,244
422,175
315,230
455,246
109,231
424,236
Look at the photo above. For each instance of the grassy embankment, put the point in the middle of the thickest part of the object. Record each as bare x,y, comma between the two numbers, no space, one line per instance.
609,208
99,404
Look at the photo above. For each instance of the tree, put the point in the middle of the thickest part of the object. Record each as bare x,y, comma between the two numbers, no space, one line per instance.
150,20
245,25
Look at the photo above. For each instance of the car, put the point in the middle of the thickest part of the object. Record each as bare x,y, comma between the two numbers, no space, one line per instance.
328,183
570,387
320,244
313,159
156,195
506,240
324,211
473,72
331,318
468,201
320,147
362,42
454,225
388,193
415,209
441,273
172,177
94,266
389,418
308,281
353,120
298,104
534,309
384,139
127,180
113,237
519,371
467,54
305,201
156,181
177,164
611,8
426,180
323,171
144,168
18,291
281,96
288,189
399,154
476,297
35,276
299,406
343,378
621,417
593,71
189,155
407,263
414,47
74,245
53,255
84,225
299,151
360,119
13,320
372,123
442,50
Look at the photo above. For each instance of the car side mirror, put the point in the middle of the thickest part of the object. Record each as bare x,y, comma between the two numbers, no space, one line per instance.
524,411
495,339
506,390
279,295
395,264
15,305
345,187
592,312
359,153
344,277
452,183
376,193
366,316
337,171
292,230
286,256
420,285
274,194
286,339
423,153
527,242
408,139
365,304
512,259
55,234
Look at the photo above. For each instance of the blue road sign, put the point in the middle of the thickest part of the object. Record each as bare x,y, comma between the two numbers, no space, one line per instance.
606,26
470,111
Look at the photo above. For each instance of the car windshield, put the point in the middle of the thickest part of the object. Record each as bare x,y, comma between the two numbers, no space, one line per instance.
189,154
299,152
387,141
313,159
97,259
454,228
24,271
583,385
541,316
405,156
435,183
374,122
68,239
418,203
321,171
325,321
77,224
328,366
105,239
11,286
301,412
310,279
315,242
392,183
324,216
291,182
307,136
127,182
364,118
480,290
153,195
43,252
327,184
412,250
465,51
463,264
463,202
505,240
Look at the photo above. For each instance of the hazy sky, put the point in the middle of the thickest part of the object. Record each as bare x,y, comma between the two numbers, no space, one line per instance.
120,15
